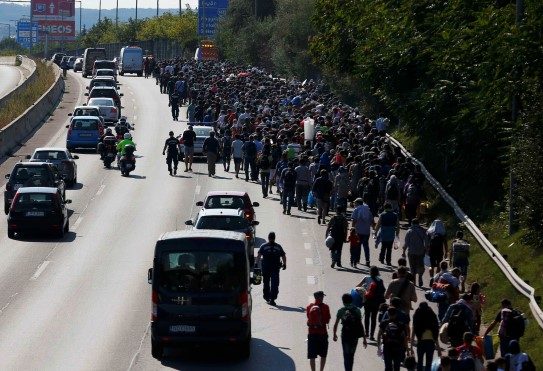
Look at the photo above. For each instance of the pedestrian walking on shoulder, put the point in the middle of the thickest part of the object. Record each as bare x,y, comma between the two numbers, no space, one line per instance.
415,244
337,229
460,257
272,258
354,247
264,165
288,179
388,228
511,325
322,189
318,318
226,150
172,146
392,340
402,288
189,136
363,222
174,101
426,330
211,149
437,245
351,330
374,288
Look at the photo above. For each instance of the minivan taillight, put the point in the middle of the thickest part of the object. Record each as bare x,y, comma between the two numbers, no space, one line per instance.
154,310
244,303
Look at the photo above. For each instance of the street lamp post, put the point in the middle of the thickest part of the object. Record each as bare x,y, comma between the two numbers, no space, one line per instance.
136,11
157,7
99,11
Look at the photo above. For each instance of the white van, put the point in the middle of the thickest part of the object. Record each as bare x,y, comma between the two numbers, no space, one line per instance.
131,60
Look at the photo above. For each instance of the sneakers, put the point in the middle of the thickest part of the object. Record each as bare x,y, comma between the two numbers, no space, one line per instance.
174,171
272,302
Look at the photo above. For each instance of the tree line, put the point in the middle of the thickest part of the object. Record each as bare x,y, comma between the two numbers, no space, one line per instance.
445,72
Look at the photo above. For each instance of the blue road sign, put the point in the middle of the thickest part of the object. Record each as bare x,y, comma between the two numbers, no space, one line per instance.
23,33
209,12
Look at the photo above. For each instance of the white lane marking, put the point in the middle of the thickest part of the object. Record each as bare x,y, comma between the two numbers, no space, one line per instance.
100,190
131,92
8,303
77,222
133,100
307,245
135,118
304,232
309,261
311,280
302,220
138,352
197,189
40,270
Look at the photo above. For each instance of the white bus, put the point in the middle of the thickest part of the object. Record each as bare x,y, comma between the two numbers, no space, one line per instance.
131,60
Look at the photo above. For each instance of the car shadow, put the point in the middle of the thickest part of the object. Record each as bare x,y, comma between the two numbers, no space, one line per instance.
213,358
137,177
221,177
43,237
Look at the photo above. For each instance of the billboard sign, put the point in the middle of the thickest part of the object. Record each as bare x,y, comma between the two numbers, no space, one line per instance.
209,12
55,17
23,33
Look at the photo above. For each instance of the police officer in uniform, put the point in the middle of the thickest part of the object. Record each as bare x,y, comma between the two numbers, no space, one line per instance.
175,99
172,145
273,258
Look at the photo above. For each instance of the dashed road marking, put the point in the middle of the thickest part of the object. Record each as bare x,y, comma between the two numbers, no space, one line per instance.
100,190
135,118
309,261
77,222
307,245
40,270
197,189
8,303
311,280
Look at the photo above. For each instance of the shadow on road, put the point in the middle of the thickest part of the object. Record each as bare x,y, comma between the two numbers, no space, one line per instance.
264,357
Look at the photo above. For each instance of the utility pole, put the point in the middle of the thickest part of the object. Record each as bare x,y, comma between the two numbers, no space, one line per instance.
136,11
100,11
117,15
157,7
180,8
519,15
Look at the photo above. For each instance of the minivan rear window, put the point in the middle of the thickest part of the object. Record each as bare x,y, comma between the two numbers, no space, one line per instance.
86,112
225,202
223,223
85,125
27,175
201,271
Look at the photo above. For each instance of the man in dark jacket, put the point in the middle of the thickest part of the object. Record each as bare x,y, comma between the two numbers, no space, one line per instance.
426,330
337,228
322,188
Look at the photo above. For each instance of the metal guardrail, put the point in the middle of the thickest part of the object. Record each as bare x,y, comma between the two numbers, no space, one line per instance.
517,282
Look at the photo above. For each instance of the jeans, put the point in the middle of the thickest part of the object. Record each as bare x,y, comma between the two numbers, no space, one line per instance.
302,190
335,252
271,284
365,242
386,251
250,162
288,199
226,156
504,345
175,111
371,308
322,208
425,348
172,158
211,160
393,358
349,348
265,183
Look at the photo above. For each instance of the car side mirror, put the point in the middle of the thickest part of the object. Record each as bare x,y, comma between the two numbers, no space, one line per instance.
86,87
200,203
255,222
7,176
67,126
150,275
256,204
67,201
28,157
76,157
85,103
121,95
70,114
189,222
86,94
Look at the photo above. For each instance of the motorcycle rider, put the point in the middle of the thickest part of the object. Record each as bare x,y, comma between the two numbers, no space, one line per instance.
122,127
172,145
122,144
101,145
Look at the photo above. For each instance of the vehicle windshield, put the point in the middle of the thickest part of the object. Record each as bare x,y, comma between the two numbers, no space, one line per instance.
201,132
201,271
102,83
31,176
85,125
34,201
103,93
107,65
224,202
49,155
104,73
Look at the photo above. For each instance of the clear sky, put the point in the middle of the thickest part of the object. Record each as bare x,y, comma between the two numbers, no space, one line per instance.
110,4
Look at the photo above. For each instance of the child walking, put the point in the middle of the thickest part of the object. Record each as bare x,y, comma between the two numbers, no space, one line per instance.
355,247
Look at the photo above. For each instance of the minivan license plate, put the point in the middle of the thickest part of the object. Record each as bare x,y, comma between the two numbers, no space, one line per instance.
35,213
183,328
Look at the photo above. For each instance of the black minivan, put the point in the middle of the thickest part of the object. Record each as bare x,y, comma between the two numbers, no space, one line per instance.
201,291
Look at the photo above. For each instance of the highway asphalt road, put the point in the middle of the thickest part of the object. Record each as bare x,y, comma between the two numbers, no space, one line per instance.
10,76
83,303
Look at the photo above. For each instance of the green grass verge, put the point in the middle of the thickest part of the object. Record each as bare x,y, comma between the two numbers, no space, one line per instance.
20,102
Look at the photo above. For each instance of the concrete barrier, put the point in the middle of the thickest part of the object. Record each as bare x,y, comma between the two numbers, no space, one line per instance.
517,282
13,135
27,64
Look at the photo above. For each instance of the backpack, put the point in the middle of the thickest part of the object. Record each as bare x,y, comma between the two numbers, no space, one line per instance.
466,359
376,291
227,144
352,324
392,192
513,324
457,324
264,162
394,335
413,194
289,179
314,318
250,149
337,229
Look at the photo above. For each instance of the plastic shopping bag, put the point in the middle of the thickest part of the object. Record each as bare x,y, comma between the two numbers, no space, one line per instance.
311,200
427,262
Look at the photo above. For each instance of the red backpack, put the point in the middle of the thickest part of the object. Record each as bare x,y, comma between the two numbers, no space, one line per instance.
314,317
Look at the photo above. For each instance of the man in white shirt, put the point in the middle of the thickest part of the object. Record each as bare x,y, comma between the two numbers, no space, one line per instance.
363,222
237,153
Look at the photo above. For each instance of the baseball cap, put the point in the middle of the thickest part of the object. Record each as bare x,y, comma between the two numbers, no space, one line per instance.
319,294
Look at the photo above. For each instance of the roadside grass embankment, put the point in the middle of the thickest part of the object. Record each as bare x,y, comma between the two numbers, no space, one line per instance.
20,102
527,260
